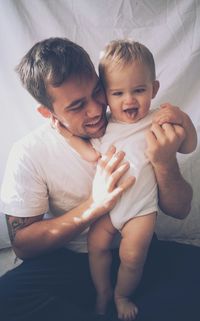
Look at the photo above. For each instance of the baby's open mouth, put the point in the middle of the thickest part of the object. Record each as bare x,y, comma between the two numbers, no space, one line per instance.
131,112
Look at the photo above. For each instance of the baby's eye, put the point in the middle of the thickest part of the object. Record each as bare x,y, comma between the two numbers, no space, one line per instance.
139,90
117,93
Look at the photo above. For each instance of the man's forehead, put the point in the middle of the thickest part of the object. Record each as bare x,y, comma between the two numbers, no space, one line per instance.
75,88
76,80
90,79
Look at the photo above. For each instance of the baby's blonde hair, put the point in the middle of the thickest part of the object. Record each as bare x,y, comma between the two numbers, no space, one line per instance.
122,52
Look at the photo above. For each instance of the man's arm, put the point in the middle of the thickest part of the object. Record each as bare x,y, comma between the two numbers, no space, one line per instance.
175,194
33,236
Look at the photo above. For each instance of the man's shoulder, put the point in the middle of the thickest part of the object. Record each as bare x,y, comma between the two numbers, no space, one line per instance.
33,143
36,133
37,137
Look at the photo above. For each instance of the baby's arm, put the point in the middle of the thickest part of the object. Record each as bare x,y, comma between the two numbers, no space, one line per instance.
172,114
82,146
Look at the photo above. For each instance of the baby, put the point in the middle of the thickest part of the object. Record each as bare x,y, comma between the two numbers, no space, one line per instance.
127,72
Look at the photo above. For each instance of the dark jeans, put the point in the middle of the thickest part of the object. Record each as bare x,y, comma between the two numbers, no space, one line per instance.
57,287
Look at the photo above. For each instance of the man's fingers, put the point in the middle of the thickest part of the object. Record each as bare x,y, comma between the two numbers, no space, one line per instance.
173,132
114,162
130,181
117,175
168,127
111,160
150,138
157,131
119,190
105,158
109,182
166,131
179,130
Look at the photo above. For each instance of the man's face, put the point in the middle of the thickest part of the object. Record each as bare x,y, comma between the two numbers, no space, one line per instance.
80,105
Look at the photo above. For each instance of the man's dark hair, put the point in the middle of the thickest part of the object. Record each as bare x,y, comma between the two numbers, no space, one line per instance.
52,62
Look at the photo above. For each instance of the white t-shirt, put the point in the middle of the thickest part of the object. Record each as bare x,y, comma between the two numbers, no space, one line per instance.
44,174
141,199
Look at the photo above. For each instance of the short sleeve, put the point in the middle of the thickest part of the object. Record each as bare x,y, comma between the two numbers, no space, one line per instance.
23,192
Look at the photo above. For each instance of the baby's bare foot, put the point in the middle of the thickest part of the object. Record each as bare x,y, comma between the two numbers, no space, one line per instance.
126,309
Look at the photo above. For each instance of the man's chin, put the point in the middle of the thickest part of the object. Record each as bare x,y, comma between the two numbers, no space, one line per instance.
99,133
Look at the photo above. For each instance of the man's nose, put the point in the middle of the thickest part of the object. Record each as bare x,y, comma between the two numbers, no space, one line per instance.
94,109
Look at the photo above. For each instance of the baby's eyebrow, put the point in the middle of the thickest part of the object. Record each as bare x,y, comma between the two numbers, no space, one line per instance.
117,89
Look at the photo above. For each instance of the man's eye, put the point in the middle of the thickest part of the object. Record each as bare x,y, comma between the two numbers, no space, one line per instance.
77,107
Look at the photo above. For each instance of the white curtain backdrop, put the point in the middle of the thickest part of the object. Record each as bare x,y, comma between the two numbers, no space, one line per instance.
170,28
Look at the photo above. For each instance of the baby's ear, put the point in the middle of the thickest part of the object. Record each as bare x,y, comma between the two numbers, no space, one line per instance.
44,111
156,86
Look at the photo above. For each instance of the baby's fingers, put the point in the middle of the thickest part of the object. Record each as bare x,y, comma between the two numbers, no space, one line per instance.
62,130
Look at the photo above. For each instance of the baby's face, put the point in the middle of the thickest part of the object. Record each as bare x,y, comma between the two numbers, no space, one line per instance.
129,91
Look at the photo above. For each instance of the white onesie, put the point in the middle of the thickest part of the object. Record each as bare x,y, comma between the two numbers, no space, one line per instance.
141,199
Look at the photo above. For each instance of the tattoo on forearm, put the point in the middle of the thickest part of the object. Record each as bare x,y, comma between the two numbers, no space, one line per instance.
16,223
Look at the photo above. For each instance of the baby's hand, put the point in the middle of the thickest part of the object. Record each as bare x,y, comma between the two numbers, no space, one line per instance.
60,128
83,147
169,114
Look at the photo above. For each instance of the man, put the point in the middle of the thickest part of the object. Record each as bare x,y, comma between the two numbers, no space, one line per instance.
44,175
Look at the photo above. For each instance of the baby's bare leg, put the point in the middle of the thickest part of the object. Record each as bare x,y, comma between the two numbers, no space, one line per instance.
99,241
136,237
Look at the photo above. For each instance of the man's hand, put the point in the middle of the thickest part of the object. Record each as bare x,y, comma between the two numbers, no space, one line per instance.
107,187
169,114
162,144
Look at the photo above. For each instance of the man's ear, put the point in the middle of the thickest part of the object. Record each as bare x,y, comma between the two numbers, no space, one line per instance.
44,111
156,86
